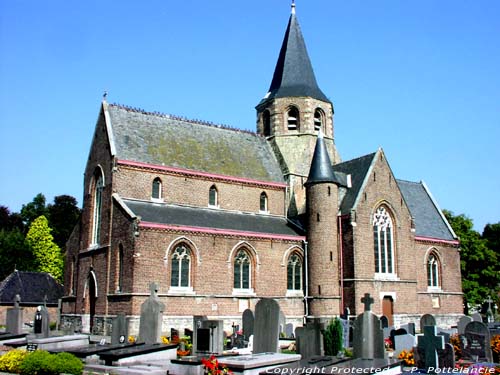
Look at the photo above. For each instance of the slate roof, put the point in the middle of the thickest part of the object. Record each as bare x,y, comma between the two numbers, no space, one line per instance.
32,287
321,167
429,221
171,141
294,75
161,213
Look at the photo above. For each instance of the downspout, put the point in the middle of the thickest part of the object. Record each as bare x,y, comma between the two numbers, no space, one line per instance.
341,255
306,287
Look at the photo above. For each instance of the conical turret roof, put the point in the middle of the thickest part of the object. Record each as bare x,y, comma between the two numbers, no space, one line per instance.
321,167
294,75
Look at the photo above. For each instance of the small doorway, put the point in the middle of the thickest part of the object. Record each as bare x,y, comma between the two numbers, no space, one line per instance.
92,284
388,309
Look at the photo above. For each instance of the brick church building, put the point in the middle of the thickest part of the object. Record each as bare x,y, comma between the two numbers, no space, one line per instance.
220,217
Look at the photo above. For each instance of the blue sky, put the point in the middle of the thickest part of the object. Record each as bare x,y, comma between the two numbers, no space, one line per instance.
420,79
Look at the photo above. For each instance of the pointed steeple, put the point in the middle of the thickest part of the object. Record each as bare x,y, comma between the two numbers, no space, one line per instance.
294,75
321,167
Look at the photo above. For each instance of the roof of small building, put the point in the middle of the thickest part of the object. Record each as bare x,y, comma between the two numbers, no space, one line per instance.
429,220
171,141
211,218
32,287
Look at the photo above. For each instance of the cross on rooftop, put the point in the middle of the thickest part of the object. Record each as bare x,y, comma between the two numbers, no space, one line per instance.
430,342
368,301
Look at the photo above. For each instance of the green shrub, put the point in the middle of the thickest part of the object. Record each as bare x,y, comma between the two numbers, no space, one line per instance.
38,362
11,361
333,337
69,364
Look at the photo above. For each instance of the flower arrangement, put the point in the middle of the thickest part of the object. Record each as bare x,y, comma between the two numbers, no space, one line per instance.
165,340
455,341
132,339
387,343
407,357
184,346
495,344
211,367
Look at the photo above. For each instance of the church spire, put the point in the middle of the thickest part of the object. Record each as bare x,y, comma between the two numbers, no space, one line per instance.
321,167
294,75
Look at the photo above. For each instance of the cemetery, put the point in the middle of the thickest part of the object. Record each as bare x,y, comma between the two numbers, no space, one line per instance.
366,344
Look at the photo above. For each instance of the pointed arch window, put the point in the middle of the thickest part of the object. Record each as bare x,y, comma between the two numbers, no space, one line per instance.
433,271
263,202
180,274
318,119
242,270
383,239
213,196
293,118
97,209
156,189
266,123
294,273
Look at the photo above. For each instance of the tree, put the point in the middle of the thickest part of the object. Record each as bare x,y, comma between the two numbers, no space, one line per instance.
491,234
47,254
333,337
34,209
63,215
479,264
14,253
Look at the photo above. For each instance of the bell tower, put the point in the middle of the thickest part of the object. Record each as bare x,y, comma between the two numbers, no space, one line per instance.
292,112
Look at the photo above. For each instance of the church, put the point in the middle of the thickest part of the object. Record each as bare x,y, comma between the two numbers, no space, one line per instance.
219,217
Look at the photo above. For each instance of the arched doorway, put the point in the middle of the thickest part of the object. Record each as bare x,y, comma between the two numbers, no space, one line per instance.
92,297
388,309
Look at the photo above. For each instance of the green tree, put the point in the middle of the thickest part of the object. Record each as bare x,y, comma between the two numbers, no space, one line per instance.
479,264
15,254
47,254
333,337
34,209
63,216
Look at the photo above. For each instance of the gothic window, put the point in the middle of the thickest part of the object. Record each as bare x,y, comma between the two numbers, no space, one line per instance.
263,202
242,268
383,239
96,214
156,189
318,119
181,267
213,196
293,118
433,271
294,273
121,268
266,122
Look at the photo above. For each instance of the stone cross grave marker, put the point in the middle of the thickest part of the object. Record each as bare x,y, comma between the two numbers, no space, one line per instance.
368,336
429,344
489,313
462,323
14,323
119,330
248,322
266,326
427,320
476,342
151,317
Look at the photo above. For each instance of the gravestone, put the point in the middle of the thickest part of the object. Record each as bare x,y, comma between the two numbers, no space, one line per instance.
151,317
309,340
387,331
41,322
462,322
248,322
446,357
289,331
428,346
403,342
368,340
445,334
394,333
14,323
345,331
384,321
427,320
119,330
475,342
409,327
208,335
282,322
476,317
266,326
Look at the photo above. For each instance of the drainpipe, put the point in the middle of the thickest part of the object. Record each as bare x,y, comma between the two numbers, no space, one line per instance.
339,218
306,287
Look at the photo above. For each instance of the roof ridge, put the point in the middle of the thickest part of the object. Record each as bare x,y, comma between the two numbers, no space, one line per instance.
355,159
182,118
408,181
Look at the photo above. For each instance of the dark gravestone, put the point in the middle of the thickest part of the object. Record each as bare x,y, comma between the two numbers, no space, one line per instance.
394,333
248,321
151,317
462,323
188,333
428,346
368,340
475,342
410,328
119,330
203,340
41,322
446,335
309,340
477,317
266,326
174,334
14,323
446,357
427,320
384,321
